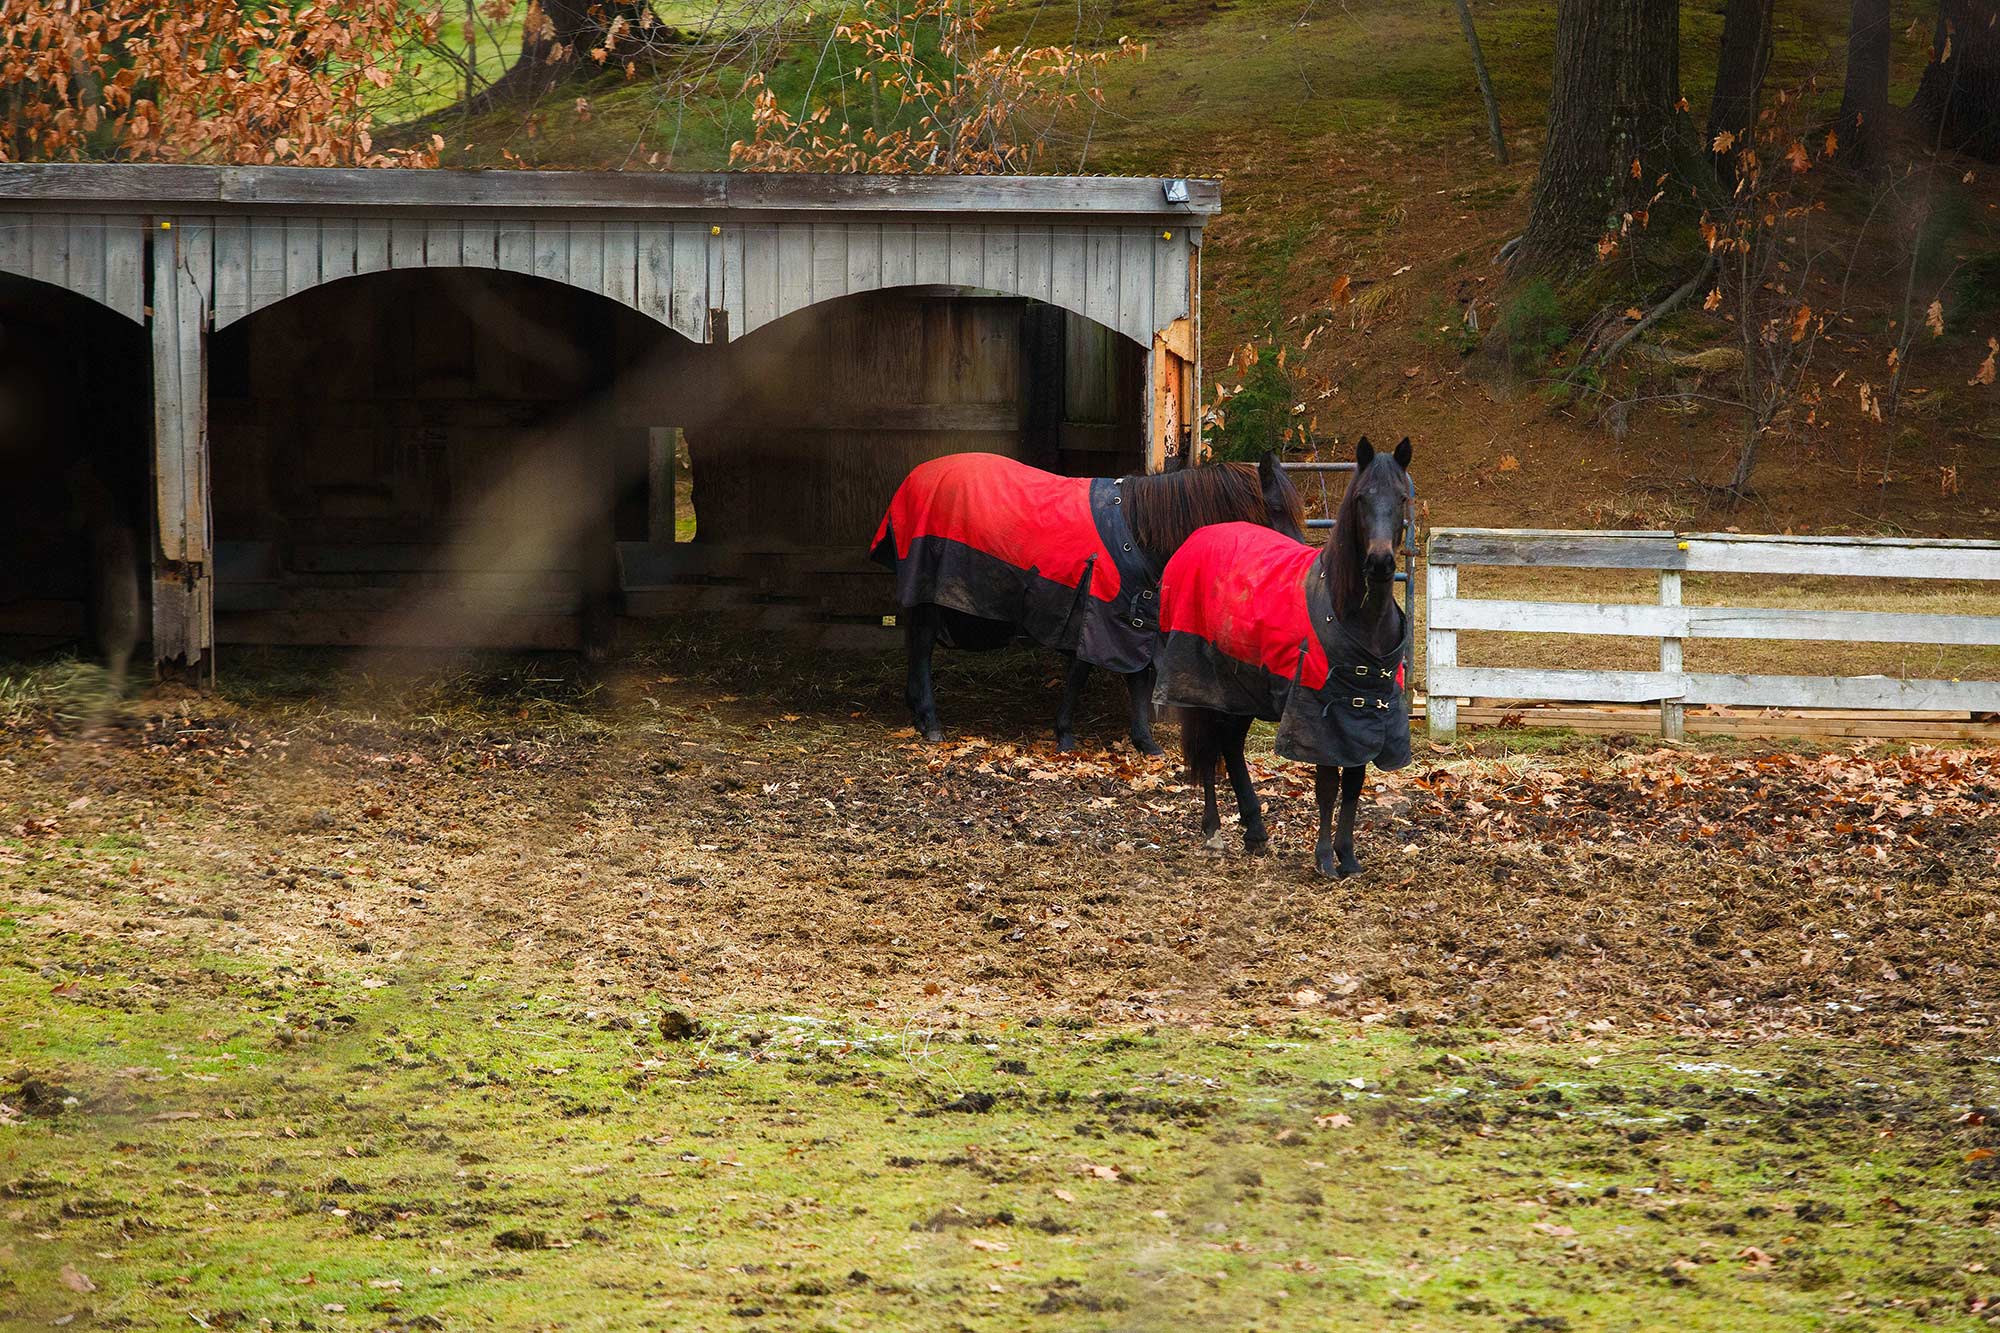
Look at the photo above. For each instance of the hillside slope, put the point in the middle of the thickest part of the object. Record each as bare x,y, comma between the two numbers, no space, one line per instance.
1351,143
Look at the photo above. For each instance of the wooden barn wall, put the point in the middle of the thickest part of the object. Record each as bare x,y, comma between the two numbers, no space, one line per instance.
98,256
352,430
824,414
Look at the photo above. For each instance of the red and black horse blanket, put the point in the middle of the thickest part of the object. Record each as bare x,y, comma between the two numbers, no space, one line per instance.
997,539
1248,628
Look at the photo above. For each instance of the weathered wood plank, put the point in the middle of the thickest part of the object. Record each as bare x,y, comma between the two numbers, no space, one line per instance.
267,262
1034,263
128,185
406,243
621,262
899,254
1860,557
124,265
86,257
48,249
301,255
371,245
1440,647
183,269
1714,622
479,245
1170,280
1567,550
718,318
1871,557
586,256
654,295
514,246
1696,688
757,274
1069,283
967,255
339,248
1136,246
551,241
444,243
1100,292
829,261
932,255
864,257
1001,267
15,248
795,271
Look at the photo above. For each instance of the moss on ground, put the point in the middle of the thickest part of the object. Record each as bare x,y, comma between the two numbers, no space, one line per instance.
435,1141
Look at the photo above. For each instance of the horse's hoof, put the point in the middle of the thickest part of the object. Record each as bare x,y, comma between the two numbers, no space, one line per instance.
1150,748
1324,861
933,734
1261,847
1349,867
1215,842
1065,743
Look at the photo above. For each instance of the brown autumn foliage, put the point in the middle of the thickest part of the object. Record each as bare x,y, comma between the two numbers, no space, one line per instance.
203,80
969,108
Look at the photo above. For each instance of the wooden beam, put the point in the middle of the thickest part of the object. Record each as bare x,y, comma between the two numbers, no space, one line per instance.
1670,620
1727,690
152,188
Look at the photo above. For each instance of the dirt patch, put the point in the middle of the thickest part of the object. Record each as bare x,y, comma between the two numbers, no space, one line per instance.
686,841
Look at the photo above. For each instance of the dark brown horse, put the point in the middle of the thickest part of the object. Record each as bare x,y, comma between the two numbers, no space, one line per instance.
1312,641
986,549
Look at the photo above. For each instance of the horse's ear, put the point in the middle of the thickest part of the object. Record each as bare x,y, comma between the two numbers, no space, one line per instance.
1271,474
1364,453
1403,454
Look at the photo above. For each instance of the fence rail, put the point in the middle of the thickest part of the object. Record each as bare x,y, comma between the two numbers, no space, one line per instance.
1671,554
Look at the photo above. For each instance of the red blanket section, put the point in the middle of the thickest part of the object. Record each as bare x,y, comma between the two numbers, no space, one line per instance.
1243,588
1021,515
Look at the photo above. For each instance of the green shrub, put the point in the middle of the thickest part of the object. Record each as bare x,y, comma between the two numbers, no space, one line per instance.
1259,415
1532,326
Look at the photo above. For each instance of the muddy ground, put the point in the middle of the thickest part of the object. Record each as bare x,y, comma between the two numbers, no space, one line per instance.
733,825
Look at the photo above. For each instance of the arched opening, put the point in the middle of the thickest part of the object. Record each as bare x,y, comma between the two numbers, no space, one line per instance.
75,429
819,415
439,457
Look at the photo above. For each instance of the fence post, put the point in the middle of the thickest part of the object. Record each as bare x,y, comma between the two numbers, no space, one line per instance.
1440,649
1671,712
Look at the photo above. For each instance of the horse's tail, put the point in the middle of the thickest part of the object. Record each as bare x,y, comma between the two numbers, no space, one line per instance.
1201,740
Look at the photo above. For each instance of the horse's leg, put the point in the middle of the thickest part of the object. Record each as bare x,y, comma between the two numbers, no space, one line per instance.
1139,686
1199,729
1326,789
1073,681
1350,798
919,637
1248,808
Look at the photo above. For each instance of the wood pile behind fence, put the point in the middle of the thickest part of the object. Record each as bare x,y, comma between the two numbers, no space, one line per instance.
1840,705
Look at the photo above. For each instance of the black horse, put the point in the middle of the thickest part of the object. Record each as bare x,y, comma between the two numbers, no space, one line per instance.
985,548
1258,627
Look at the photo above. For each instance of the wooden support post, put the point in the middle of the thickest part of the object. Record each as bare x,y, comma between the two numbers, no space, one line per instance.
183,558
1170,398
1440,648
1671,712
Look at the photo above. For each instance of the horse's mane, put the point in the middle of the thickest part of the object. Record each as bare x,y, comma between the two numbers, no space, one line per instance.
1167,507
1343,553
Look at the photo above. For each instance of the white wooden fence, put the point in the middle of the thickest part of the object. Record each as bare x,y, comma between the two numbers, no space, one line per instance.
1672,554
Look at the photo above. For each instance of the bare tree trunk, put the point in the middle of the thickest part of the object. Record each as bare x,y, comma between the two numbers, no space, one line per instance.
1864,102
1959,98
1739,76
1614,129
1485,82
561,39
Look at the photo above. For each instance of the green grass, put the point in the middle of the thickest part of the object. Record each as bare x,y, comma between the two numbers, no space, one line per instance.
370,1143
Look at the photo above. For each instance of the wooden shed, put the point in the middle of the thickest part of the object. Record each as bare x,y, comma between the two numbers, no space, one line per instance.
451,407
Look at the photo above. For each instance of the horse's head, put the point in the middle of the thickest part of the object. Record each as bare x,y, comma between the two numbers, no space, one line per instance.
1283,510
1369,526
